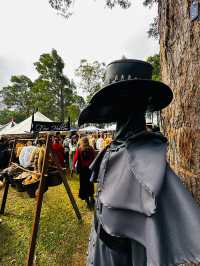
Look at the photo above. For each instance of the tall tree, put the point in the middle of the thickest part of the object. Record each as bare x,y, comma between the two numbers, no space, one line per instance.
180,68
43,98
73,111
92,76
50,68
17,95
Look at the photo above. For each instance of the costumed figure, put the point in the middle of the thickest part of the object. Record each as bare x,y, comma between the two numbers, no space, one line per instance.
83,157
144,215
57,147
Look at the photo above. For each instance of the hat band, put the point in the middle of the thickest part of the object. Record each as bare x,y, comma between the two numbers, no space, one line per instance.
117,78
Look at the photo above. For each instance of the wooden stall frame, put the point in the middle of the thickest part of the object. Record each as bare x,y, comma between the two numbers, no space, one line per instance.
42,185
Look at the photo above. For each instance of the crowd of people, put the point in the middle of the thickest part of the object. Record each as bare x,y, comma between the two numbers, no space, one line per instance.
76,152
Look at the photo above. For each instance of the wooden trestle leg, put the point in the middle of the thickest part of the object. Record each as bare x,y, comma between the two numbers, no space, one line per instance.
5,194
7,184
40,199
38,207
67,187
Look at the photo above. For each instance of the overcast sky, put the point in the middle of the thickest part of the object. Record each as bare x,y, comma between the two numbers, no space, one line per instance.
29,28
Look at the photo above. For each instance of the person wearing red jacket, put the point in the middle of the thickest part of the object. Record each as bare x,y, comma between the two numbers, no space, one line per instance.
83,157
58,148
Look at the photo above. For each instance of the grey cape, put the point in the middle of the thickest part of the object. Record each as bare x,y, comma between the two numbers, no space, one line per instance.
144,215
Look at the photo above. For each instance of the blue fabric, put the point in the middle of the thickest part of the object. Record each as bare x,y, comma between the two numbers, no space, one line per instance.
25,156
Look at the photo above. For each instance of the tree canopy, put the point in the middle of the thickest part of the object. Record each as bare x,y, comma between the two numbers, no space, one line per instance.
57,87
17,95
51,93
63,8
7,115
91,75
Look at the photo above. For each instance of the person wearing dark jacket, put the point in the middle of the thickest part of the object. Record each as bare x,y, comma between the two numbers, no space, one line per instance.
144,215
4,152
83,157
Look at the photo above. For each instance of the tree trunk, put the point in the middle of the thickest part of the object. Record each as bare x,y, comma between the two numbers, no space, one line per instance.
62,112
180,69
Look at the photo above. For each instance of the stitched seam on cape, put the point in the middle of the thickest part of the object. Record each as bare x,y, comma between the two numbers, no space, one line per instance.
139,178
148,190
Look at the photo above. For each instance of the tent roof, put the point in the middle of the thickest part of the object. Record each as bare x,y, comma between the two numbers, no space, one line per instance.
7,126
25,126
89,129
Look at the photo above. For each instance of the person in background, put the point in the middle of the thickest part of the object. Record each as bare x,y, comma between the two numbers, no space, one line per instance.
99,142
89,136
4,157
4,152
83,157
107,140
66,151
72,148
58,135
57,147
92,141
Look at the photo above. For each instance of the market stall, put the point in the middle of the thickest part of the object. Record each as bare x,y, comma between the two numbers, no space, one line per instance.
7,127
24,127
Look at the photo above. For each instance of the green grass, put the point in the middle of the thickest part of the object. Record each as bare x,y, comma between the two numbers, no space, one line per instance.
62,239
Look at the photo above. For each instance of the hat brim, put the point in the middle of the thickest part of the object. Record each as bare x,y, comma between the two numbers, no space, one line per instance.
113,101
132,90
96,113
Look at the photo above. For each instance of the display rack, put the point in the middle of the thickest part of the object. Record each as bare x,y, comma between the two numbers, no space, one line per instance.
41,190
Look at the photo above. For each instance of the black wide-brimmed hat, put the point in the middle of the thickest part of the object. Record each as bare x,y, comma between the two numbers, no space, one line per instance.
128,86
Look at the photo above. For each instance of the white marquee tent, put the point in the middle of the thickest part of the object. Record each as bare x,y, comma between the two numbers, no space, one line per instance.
89,129
7,126
25,126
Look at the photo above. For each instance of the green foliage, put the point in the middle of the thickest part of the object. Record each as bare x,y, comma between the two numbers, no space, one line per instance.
155,61
122,3
42,98
79,100
149,2
154,29
73,111
7,115
52,83
18,94
92,76
63,8
51,93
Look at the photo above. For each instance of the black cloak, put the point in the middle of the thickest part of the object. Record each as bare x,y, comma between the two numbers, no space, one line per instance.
143,207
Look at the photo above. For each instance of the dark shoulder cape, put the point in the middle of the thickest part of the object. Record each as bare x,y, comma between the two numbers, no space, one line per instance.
142,199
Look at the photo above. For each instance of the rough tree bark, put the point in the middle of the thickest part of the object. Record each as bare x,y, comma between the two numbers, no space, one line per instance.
180,69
